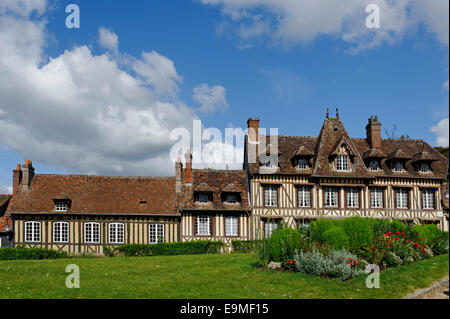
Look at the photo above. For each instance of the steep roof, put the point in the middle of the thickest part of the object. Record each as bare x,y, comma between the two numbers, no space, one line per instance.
4,201
218,182
98,195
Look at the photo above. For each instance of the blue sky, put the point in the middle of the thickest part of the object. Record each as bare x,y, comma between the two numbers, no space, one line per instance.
251,59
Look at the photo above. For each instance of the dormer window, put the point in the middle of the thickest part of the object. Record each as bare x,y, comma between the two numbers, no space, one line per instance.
203,197
373,165
342,163
424,167
60,206
231,198
398,166
302,164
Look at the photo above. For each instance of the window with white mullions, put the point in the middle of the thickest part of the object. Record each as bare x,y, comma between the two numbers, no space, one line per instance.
155,233
92,233
398,167
373,164
304,196
231,198
376,197
401,197
353,197
231,225
269,228
203,197
33,232
331,197
428,198
60,232
60,206
302,163
424,167
270,195
342,162
203,225
116,233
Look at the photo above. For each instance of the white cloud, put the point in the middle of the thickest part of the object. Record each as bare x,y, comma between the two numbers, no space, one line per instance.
445,86
108,39
209,98
290,22
82,112
441,131
5,189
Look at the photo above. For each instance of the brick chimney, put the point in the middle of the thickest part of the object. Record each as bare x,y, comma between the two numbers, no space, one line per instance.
253,126
188,171
17,178
373,133
178,168
27,175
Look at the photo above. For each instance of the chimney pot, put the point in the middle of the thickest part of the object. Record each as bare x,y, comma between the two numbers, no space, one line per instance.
373,133
27,175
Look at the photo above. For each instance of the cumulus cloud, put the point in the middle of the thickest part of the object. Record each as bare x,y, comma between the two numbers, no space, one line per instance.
290,22
5,190
108,39
209,98
441,131
85,113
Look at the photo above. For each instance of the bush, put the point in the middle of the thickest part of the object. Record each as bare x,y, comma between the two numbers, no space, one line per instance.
380,226
320,226
358,231
166,249
336,237
244,246
23,253
283,243
397,225
436,239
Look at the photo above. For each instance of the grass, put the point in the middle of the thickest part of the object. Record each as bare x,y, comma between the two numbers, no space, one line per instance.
201,276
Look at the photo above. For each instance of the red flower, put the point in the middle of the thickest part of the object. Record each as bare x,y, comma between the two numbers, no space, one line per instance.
374,248
396,238
403,233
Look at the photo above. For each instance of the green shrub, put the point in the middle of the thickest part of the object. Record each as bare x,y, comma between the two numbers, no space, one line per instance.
165,249
358,231
336,237
397,225
318,227
379,226
244,246
436,239
23,253
283,243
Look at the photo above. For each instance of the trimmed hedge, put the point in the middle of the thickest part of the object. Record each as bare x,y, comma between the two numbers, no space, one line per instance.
166,249
245,246
283,243
23,253
336,237
358,231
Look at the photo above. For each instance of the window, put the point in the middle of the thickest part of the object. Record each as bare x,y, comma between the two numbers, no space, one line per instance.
116,233
304,196
373,165
203,197
398,166
302,164
353,197
331,197
270,195
376,197
92,233
231,225
428,198
231,198
342,162
203,225
60,232
401,197
424,167
155,233
269,228
33,232
60,206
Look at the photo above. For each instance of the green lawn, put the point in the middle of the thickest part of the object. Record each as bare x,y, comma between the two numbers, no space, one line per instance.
200,276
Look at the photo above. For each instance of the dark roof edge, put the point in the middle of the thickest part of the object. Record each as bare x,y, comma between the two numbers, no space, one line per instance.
95,214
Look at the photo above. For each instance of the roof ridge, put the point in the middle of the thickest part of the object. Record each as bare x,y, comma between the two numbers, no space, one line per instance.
105,176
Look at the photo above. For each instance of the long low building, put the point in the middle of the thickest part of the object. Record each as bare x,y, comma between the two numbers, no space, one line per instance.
289,179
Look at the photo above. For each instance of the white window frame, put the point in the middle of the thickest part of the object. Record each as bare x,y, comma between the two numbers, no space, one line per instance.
232,226
203,225
376,197
428,195
331,197
352,197
304,196
401,198
231,198
90,236
398,166
60,206
116,233
33,235
60,232
270,227
203,197
156,233
342,163
302,163
270,195
374,165
424,167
